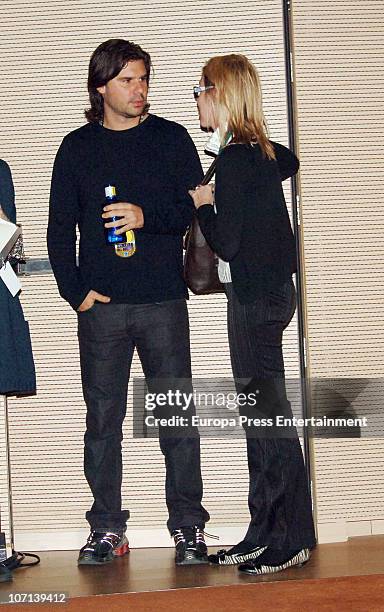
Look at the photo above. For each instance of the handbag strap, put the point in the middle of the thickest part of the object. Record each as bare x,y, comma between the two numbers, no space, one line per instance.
212,168
209,173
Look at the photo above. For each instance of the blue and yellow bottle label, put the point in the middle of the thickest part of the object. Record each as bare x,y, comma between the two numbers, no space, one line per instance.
128,247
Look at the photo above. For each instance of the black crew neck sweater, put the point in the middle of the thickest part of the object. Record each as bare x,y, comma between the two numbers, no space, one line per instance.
152,165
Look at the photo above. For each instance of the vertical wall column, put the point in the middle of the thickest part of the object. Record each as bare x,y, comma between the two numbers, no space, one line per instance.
339,81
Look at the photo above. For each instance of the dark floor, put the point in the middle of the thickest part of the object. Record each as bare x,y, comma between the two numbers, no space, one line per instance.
154,570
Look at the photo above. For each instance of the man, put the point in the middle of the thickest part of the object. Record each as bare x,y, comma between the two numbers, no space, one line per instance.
132,302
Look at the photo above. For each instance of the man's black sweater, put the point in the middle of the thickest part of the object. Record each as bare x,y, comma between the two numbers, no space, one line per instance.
152,165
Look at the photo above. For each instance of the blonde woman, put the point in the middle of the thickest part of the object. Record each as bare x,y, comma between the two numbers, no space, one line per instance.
251,233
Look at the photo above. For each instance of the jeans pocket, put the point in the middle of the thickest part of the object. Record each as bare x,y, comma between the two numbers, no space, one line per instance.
83,312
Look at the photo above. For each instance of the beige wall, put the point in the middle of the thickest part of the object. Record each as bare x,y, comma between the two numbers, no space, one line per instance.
339,76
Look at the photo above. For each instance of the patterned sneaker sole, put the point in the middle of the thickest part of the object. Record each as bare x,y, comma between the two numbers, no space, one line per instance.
123,550
90,560
191,558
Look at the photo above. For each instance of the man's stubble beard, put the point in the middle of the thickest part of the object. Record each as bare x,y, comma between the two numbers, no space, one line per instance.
130,115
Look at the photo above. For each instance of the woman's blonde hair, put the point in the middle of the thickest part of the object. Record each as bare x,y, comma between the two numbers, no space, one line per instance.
238,100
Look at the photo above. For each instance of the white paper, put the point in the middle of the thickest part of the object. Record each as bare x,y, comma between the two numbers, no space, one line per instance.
10,279
7,230
9,233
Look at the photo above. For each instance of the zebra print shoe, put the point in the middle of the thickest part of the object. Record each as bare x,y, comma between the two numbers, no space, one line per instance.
256,568
241,552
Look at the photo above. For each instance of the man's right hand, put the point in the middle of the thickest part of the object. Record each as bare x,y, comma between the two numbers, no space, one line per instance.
91,298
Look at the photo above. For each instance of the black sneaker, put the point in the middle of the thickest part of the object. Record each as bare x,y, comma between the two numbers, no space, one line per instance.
190,546
241,552
103,547
264,566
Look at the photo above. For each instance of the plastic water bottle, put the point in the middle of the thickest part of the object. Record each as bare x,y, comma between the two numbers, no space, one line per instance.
125,245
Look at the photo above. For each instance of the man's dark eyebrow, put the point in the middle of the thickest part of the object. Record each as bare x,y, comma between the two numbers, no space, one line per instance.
142,76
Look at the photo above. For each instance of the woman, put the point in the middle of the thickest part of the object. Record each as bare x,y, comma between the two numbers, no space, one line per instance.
251,233
17,370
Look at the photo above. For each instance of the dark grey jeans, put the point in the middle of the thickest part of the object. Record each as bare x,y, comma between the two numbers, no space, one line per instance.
279,500
108,335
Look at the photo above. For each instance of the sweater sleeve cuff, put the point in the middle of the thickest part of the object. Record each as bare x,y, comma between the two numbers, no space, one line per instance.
75,298
205,211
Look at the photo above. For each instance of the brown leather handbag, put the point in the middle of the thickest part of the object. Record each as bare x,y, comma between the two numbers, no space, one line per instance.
200,262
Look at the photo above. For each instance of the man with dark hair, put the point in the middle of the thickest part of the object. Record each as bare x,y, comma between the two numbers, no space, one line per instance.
131,302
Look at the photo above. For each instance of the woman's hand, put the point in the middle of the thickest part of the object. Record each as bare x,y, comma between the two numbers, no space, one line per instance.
203,194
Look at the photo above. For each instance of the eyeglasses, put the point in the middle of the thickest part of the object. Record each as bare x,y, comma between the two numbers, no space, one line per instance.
198,89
